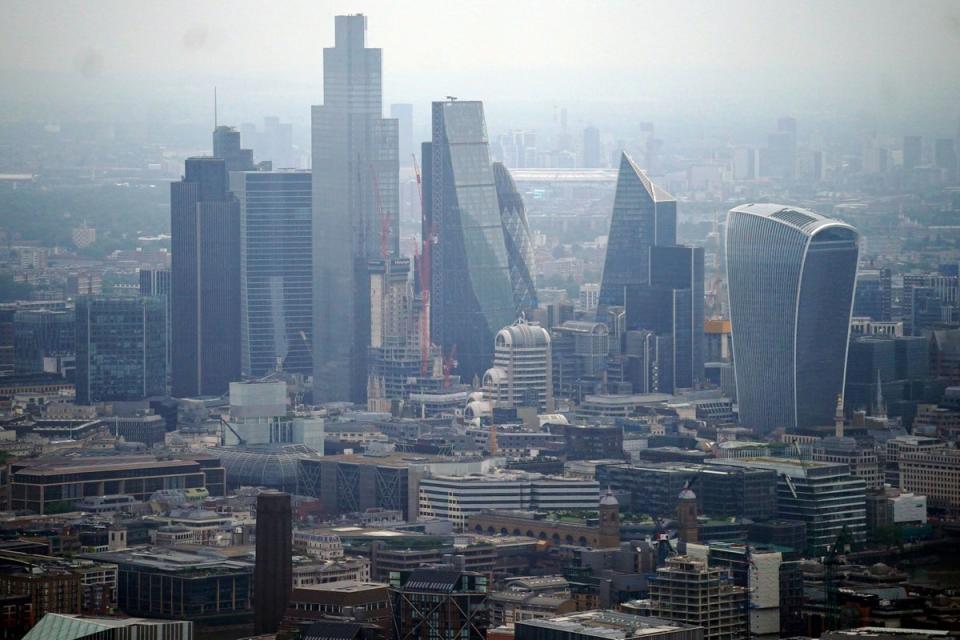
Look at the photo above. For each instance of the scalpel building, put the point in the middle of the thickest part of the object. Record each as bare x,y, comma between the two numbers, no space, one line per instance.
791,275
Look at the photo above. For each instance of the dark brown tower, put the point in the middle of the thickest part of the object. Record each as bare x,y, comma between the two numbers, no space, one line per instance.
687,516
272,575
609,520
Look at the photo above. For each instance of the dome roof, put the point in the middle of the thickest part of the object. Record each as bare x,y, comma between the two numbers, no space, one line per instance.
687,494
609,500
271,466
521,334
494,375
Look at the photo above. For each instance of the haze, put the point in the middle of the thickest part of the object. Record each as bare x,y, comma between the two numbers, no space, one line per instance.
707,63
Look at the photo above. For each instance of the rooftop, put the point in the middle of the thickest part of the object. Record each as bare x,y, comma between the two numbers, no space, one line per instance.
608,624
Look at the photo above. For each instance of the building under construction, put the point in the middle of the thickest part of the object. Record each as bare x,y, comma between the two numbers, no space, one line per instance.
430,604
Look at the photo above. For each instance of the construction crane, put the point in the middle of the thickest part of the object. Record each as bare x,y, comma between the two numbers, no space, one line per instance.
424,267
831,583
223,423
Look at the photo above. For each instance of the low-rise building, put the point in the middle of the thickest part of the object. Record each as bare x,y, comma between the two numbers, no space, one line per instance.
605,625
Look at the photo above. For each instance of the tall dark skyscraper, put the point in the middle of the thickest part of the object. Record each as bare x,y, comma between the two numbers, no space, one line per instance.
791,275
516,235
355,208
471,292
273,571
226,146
644,215
671,306
205,280
276,270
121,349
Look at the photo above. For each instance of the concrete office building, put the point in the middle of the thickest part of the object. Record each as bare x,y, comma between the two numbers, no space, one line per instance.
522,372
604,625
121,349
935,473
276,271
355,208
39,484
458,497
471,295
687,590
205,280
791,277
272,574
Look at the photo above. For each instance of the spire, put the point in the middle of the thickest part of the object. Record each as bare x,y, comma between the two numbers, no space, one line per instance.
838,416
879,407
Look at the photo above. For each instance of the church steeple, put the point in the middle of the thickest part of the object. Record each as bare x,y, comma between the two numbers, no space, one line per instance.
879,406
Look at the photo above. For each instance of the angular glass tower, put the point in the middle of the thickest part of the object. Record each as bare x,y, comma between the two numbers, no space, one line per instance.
355,208
516,235
276,270
791,276
644,215
205,280
471,291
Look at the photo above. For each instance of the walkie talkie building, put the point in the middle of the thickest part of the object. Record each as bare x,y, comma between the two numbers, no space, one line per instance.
791,276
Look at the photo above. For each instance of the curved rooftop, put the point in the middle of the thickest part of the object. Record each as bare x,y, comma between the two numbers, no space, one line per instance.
803,220
521,334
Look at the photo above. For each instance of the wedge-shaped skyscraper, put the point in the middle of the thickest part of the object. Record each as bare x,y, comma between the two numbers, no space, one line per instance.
644,215
516,235
791,275
471,292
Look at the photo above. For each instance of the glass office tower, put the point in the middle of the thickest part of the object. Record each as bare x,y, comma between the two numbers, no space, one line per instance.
121,349
205,280
516,235
355,208
644,215
791,276
471,291
276,271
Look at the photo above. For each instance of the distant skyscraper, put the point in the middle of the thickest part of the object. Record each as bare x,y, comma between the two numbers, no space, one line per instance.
41,333
276,270
156,283
912,152
471,292
521,375
355,211
644,215
273,571
403,114
205,280
592,150
671,305
516,234
226,146
121,349
791,276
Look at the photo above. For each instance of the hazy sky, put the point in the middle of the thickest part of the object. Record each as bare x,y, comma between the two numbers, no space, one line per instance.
894,57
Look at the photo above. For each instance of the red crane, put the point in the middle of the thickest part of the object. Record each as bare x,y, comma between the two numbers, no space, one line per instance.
424,264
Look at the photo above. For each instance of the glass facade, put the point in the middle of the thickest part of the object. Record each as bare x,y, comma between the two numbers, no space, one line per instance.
471,289
643,216
276,271
205,280
39,333
791,277
516,234
121,349
356,211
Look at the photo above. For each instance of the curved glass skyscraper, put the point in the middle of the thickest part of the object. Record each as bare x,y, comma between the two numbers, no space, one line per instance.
791,276
516,235
471,293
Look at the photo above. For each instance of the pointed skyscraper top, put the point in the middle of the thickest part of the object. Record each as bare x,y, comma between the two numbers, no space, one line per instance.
657,193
